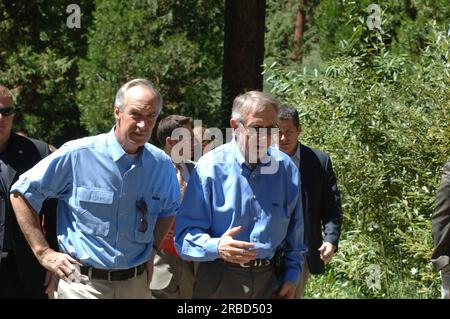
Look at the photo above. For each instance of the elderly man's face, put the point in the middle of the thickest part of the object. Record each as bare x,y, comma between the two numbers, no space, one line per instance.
135,123
255,135
6,118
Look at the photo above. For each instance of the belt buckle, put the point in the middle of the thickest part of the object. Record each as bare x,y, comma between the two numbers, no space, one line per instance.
260,262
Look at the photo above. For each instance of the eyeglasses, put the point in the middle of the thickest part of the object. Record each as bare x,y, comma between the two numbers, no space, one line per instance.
141,205
261,130
6,111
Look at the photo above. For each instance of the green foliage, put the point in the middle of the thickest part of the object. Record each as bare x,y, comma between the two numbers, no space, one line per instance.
333,26
280,27
175,44
384,118
403,23
38,57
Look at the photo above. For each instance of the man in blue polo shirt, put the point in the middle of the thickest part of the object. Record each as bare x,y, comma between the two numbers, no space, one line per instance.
241,208
118,195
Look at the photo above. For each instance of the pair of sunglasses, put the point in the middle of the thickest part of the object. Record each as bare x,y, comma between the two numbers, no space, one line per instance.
6,111
141,205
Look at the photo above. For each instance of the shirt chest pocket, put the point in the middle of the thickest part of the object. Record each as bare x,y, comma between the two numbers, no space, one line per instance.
146,217
93,213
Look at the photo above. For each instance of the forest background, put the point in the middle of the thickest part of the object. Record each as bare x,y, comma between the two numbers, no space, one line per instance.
369,78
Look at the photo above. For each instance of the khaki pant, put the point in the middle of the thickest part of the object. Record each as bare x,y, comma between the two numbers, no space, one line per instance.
133,288
300,291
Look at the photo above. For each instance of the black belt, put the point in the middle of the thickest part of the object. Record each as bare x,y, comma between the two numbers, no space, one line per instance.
256,263
112,275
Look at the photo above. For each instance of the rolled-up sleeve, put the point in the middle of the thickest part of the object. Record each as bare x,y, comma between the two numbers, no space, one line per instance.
192,240
50,178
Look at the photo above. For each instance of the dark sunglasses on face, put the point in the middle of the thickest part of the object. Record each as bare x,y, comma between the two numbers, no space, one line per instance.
141,205
6,111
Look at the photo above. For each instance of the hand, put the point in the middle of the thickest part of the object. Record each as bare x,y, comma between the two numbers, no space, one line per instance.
235,251
287,291
60,264
327,251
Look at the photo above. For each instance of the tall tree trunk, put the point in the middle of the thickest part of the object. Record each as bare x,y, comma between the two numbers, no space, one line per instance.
299,29
243,51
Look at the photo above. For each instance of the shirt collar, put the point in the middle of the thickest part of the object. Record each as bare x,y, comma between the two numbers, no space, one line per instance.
296,156
116,150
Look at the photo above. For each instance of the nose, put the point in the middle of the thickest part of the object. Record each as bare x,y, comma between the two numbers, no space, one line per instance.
282,137
142,124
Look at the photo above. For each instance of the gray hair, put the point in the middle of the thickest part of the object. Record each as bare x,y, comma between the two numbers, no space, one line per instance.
121,93
245,103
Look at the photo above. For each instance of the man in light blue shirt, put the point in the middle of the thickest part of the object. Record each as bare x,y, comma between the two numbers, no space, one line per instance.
241,208
117,198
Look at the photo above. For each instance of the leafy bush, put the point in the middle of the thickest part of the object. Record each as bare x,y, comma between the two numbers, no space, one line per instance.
172,43
38,62
384,119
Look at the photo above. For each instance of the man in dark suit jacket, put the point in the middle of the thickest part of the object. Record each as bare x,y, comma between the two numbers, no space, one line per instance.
440,230
320,197
21,275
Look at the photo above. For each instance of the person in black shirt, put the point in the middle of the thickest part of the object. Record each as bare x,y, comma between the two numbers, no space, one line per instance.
21,275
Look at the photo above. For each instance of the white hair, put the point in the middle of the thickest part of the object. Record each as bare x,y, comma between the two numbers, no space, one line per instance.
245,103
122,92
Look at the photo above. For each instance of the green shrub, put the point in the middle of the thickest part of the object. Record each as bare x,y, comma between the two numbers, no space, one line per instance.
384,119
172,43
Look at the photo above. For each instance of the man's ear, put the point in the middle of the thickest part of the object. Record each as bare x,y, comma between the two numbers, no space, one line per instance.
116,113
169,141
233,124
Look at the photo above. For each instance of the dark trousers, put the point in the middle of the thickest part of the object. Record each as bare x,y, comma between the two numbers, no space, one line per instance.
11,286
220,280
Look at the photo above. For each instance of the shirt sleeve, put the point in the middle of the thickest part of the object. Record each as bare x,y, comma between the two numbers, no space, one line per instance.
172,198
332,209
192,240
50,178
295,245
